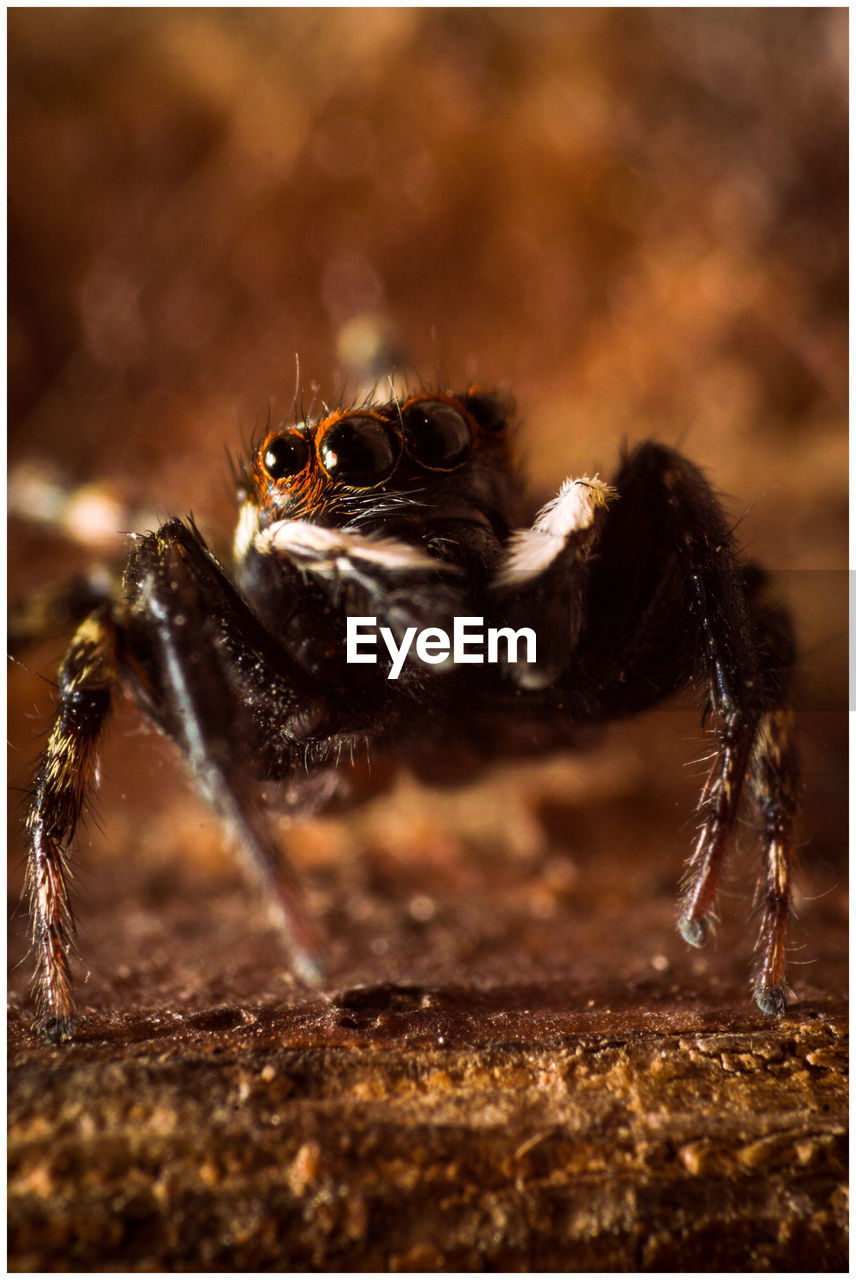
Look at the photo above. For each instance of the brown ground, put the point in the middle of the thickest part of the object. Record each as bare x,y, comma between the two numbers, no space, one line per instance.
637,221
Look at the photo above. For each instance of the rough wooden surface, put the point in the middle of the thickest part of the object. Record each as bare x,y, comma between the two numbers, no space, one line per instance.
405,1128
517,1063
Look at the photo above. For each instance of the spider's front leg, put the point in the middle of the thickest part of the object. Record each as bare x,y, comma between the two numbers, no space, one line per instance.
85,681
240,707
206,670
671,605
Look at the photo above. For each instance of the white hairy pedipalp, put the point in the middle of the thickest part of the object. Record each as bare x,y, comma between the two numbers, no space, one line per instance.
322,550
573,511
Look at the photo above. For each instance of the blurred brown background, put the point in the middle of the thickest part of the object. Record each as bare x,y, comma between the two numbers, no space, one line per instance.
636,220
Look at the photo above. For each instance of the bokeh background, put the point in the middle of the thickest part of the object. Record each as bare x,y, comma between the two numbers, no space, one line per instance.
635,220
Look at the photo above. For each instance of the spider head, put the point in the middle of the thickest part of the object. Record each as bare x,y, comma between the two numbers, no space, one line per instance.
380,465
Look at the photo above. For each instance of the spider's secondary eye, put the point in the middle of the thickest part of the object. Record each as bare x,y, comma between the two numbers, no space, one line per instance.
359,451
489,411
436,434
285,456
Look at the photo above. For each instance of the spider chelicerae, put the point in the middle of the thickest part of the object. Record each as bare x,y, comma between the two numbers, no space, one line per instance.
413,513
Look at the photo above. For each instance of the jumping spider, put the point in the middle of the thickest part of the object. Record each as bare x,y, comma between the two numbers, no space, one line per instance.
412,512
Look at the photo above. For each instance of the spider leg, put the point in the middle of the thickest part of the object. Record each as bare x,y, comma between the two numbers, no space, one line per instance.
228,695
671,605
58,607
717,810
85,679
774,779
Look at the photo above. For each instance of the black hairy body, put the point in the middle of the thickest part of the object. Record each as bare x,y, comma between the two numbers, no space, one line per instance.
414,513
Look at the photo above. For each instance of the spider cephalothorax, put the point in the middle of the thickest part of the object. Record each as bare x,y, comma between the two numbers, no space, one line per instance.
411,514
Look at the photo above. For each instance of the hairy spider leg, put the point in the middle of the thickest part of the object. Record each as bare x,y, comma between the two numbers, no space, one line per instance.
684,610
774,779
60,606
85,680
222,682
717,811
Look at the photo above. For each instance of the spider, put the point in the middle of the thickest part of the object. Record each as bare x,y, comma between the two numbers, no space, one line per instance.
413,513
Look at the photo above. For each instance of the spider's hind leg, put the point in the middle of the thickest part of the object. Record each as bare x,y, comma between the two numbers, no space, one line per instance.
673,606
85,680
749,692
774,780
58,607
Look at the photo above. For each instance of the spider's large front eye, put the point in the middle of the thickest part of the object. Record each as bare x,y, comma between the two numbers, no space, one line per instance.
359,451
436,434
285,455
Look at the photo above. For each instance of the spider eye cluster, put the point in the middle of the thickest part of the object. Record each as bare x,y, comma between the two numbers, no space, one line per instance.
362,449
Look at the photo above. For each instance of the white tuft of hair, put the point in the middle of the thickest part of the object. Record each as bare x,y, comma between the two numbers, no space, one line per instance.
530,552
321,550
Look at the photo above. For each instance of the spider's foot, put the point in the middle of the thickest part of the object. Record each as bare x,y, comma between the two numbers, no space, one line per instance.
772,1000
57,1030
695,930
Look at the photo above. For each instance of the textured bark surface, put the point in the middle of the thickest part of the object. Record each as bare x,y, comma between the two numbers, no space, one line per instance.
417,1129
517,1063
